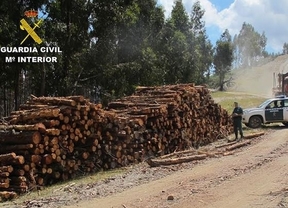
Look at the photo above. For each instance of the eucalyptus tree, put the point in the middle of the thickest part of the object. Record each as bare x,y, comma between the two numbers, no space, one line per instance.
174,45
67,27
201,47
223,57
124,50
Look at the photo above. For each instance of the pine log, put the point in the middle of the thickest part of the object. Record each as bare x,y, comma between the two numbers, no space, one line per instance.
8,195
7,157
55,101
173,161
34,115
250,136
8,169
4,174
17,172
30,106
15,188
19,160
4,185
78,98
53,132
17,179
5,180
178,153
51,123
47,159
226,144
237,145
25,137
15,148
36,159
35,127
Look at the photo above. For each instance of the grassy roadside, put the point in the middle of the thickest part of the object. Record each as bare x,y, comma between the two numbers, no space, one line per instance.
227,99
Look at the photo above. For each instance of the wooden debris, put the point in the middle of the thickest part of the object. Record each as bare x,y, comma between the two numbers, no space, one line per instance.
253,135
173,161
237,145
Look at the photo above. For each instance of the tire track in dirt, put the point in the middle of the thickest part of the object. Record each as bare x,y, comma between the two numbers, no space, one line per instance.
260,167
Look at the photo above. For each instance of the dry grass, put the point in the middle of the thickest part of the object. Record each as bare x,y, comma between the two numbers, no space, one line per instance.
227,99
53,190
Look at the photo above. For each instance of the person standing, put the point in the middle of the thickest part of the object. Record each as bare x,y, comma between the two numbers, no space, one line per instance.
237,120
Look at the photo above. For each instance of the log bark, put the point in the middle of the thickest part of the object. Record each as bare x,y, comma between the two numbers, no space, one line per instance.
4,174
226,144
34,115
15,148
8,169
24,137
54,101
7,157
178,154
238,145
4,185
34,127
173,161
8,195
250,136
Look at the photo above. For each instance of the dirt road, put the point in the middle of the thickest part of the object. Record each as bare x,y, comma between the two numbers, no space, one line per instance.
256,176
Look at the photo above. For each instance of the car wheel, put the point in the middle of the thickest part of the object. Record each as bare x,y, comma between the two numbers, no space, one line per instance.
285,123
255,122
247,124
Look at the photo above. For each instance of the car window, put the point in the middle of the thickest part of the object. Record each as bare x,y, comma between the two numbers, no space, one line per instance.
264,104
286,103
276,104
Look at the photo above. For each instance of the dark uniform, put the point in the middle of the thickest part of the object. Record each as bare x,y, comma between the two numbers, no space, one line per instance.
237,120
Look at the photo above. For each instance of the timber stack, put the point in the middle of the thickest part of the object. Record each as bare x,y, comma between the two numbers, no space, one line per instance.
175,118
51,139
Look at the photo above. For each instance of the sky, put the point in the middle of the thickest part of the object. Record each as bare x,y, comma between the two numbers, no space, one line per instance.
268,16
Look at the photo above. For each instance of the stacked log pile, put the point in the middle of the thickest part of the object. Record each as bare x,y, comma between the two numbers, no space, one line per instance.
49,139
176,117
53,139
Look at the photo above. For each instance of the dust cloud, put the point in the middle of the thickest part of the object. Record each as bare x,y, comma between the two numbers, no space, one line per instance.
259,80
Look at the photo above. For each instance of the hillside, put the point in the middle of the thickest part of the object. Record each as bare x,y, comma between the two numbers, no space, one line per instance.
259,80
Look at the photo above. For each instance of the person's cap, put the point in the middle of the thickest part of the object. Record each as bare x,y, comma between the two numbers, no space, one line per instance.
235,102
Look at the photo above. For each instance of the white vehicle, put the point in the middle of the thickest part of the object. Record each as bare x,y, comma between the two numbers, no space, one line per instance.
273,110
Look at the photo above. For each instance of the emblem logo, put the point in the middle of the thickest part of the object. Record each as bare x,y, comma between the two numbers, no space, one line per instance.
31,31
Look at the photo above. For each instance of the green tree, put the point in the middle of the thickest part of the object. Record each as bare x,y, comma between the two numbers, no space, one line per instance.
179,17
67,27
223,57
200,46
125,35
174,51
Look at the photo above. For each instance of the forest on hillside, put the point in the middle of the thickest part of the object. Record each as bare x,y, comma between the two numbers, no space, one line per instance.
110,47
